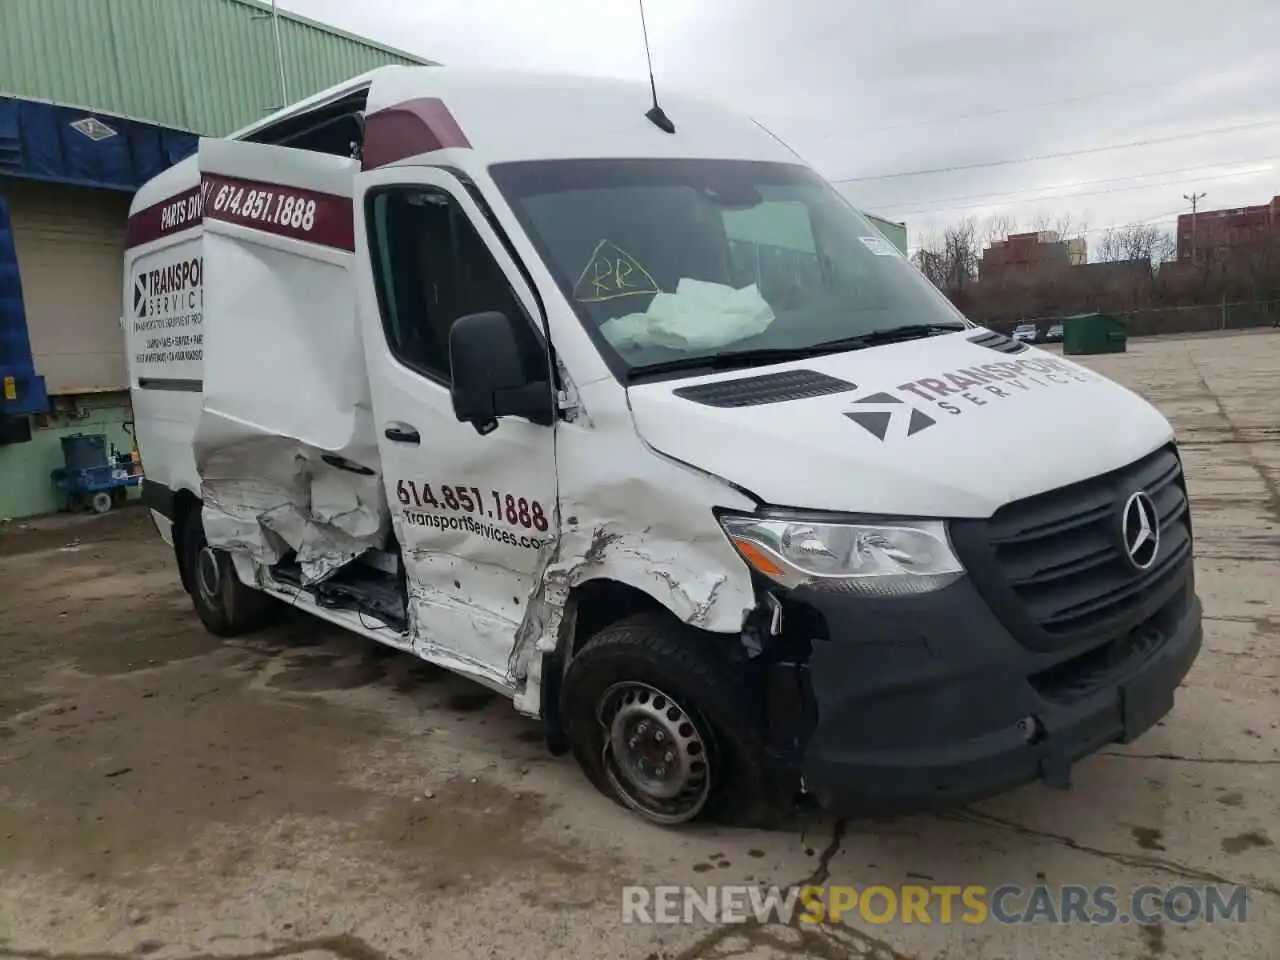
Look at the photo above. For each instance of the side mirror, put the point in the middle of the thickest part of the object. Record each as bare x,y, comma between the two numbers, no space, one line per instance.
497,372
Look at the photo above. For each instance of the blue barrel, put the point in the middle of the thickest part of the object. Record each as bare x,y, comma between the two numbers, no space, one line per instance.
84,451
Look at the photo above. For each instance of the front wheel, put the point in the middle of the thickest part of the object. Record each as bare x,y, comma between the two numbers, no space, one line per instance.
225,606
659,725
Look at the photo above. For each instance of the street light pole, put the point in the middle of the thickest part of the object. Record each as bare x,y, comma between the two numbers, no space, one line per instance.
274,17
275,26
1195,199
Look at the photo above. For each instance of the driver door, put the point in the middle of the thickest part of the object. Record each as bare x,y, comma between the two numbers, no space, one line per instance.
474,514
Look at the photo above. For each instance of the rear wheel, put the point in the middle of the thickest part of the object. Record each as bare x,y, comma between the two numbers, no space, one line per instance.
661,726
225,606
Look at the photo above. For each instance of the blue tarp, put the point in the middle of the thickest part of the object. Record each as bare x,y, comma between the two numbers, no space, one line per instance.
40,141
25,393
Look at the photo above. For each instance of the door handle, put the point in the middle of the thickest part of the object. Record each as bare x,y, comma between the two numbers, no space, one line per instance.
402,435
342,463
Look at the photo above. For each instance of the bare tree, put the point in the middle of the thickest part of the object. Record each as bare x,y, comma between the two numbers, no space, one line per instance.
961,253
929,259
1136,241
997,227
1041,222
950,259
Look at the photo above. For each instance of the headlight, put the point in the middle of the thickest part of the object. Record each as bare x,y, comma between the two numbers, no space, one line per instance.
874,560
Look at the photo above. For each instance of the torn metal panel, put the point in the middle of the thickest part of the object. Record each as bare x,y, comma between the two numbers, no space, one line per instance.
621,518
267,496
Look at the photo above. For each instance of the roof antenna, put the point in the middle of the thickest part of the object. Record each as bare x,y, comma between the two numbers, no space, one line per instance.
654,113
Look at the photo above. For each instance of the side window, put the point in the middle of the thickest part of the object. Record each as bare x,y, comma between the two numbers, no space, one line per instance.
430,267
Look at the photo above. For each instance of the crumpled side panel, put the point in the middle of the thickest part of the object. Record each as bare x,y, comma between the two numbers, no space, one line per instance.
631,515
267,495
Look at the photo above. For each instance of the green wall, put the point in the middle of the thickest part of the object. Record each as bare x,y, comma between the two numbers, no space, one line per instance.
206,66
25,487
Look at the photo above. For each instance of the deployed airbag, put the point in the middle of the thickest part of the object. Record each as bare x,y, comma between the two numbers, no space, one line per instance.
698,316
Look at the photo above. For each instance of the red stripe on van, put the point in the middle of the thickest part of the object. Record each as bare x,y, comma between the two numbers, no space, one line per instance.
408,129
323,218
173,215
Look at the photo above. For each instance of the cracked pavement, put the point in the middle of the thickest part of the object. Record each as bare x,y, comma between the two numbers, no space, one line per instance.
302,793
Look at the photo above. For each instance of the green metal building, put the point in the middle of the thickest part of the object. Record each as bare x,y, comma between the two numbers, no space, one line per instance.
97,97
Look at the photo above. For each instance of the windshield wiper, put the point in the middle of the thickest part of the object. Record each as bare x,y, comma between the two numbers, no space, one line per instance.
765,355
874,338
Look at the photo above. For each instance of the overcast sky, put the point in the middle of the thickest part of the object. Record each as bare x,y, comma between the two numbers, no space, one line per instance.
863,88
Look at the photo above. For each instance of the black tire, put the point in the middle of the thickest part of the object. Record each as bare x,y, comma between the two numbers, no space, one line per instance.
231,609
656,651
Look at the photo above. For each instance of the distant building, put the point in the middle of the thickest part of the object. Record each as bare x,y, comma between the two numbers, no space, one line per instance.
895,233
1221,231
1030,254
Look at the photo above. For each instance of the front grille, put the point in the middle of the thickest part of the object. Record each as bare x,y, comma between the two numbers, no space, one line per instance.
1054,565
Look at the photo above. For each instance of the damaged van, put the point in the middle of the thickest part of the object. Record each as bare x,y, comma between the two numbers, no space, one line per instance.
632,418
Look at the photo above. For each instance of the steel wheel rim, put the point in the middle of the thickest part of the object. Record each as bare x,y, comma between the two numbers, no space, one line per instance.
208,576
656,754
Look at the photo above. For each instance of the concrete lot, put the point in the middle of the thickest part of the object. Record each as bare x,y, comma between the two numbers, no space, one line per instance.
304,794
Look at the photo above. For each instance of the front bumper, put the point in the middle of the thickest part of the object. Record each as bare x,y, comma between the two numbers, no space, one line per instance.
928,702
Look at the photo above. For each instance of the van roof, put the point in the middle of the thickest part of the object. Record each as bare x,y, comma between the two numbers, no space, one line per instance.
510,115
506,116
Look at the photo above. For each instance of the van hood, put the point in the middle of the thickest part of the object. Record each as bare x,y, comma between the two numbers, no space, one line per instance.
949,426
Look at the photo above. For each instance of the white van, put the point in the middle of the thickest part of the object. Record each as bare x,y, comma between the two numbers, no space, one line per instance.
654,434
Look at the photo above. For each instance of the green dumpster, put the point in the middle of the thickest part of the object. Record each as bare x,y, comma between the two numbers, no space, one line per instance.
1090,333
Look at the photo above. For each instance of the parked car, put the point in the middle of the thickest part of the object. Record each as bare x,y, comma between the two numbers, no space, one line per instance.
1054,334
1027,332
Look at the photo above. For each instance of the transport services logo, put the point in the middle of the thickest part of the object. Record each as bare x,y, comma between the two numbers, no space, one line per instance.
173,288
897,416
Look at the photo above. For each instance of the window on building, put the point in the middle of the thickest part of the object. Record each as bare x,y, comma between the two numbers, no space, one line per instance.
430,268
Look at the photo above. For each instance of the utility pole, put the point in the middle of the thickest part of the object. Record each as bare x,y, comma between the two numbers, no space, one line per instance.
1195,199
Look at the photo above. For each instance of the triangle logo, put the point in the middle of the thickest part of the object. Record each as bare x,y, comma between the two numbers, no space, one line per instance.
875,422
612,273
919,421
140,295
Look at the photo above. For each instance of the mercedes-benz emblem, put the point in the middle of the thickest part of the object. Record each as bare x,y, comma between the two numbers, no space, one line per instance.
1140,530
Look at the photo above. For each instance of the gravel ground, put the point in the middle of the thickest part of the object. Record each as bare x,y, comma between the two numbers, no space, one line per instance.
304,793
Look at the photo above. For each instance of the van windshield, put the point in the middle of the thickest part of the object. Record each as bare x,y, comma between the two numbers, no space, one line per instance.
668,259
